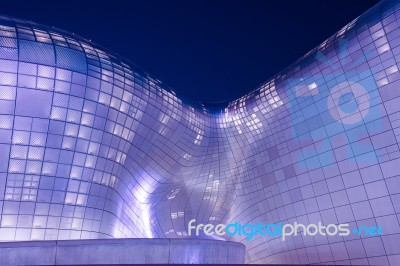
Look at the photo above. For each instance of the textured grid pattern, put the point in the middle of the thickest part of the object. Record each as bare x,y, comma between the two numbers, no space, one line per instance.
92,147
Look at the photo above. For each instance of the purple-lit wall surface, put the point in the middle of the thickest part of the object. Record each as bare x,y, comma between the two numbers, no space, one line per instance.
123,251
92,147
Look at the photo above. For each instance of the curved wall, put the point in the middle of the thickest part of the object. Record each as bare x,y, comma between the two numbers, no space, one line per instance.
92,147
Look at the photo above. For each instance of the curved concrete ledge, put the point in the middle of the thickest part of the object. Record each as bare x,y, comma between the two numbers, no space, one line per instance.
121,251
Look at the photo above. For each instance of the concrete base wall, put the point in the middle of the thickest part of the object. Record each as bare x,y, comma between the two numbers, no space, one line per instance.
121,251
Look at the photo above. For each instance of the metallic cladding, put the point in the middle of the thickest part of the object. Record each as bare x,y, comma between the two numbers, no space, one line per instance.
92,147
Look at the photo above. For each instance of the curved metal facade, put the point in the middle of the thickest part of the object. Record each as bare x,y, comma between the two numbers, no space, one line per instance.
92,147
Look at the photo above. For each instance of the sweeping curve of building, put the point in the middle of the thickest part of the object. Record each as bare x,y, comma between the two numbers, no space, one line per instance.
92,147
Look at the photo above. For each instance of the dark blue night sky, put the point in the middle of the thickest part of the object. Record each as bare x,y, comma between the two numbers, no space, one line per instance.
205,50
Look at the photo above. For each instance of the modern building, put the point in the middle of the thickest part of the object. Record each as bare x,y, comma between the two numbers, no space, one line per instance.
92,147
